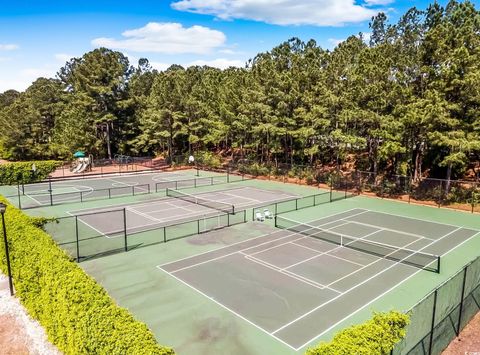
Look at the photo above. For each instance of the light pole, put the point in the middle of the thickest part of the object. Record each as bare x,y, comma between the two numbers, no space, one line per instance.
3,208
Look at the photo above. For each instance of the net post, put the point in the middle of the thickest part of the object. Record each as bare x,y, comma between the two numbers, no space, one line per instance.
156,187
346,188
133,190
76,239
276,222
244,216
233,209
125,227
50,191
198,226
195,182
296,204
211,181
81,196
109,193
228,219
438,263
432,328
164,234
457,331
176,185
228,175
148,189
276,208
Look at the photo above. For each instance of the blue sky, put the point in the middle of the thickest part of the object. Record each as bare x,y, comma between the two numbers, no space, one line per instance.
38,37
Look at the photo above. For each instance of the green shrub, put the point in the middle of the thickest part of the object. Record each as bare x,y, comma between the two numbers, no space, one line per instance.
21,172
209,159
376,336
78,315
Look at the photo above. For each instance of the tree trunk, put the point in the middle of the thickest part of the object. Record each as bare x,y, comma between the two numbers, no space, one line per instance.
109,148
448,182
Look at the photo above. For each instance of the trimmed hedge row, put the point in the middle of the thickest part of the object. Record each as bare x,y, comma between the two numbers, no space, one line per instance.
21,172
376,336
78,315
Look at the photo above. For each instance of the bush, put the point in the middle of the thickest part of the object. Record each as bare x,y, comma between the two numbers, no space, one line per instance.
376,336
78,315
21,172
209,160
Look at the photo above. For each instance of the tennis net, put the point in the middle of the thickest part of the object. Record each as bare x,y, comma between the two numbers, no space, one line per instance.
415,258
217,205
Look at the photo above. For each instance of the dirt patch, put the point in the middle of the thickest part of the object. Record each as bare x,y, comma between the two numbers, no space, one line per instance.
468,342
20,334
12,336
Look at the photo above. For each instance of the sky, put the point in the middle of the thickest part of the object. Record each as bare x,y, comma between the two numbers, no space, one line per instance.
37,37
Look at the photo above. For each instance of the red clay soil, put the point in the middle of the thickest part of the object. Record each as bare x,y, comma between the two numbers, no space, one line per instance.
12,336
468,342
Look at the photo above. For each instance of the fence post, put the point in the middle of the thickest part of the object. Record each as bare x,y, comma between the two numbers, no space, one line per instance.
331,189
473,196
430,345
76,239
457,331
125,227
50,191
19,197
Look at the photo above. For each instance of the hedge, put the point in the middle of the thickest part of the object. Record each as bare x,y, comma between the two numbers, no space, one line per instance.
21,172
376,336
77,314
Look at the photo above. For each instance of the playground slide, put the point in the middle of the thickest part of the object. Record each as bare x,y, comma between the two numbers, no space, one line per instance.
83,166
78,167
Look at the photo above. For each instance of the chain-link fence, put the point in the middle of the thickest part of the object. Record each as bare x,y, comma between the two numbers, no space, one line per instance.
437,319
78,236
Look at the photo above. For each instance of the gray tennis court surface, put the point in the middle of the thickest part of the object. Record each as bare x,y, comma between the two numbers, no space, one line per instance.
144,216
295,286
72,190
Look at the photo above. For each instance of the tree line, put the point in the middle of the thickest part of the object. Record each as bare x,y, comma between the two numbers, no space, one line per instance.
406,100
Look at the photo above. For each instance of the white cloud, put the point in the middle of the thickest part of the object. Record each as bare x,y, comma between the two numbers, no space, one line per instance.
22,79
63,57
220,63
8,47
160,66
335,42
282,12
378,2
169,38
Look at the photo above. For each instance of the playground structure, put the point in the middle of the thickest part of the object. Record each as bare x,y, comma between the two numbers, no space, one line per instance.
82,164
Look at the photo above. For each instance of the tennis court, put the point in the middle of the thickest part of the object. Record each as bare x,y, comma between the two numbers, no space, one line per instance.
138,217
299,282
80,190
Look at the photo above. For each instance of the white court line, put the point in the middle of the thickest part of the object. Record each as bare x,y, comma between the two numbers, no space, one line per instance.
36,201
143,214
374,262
354,287
333,256
288,273
425,220
228,309
389,229
237,251
328,251
381,295
303,236
243,241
